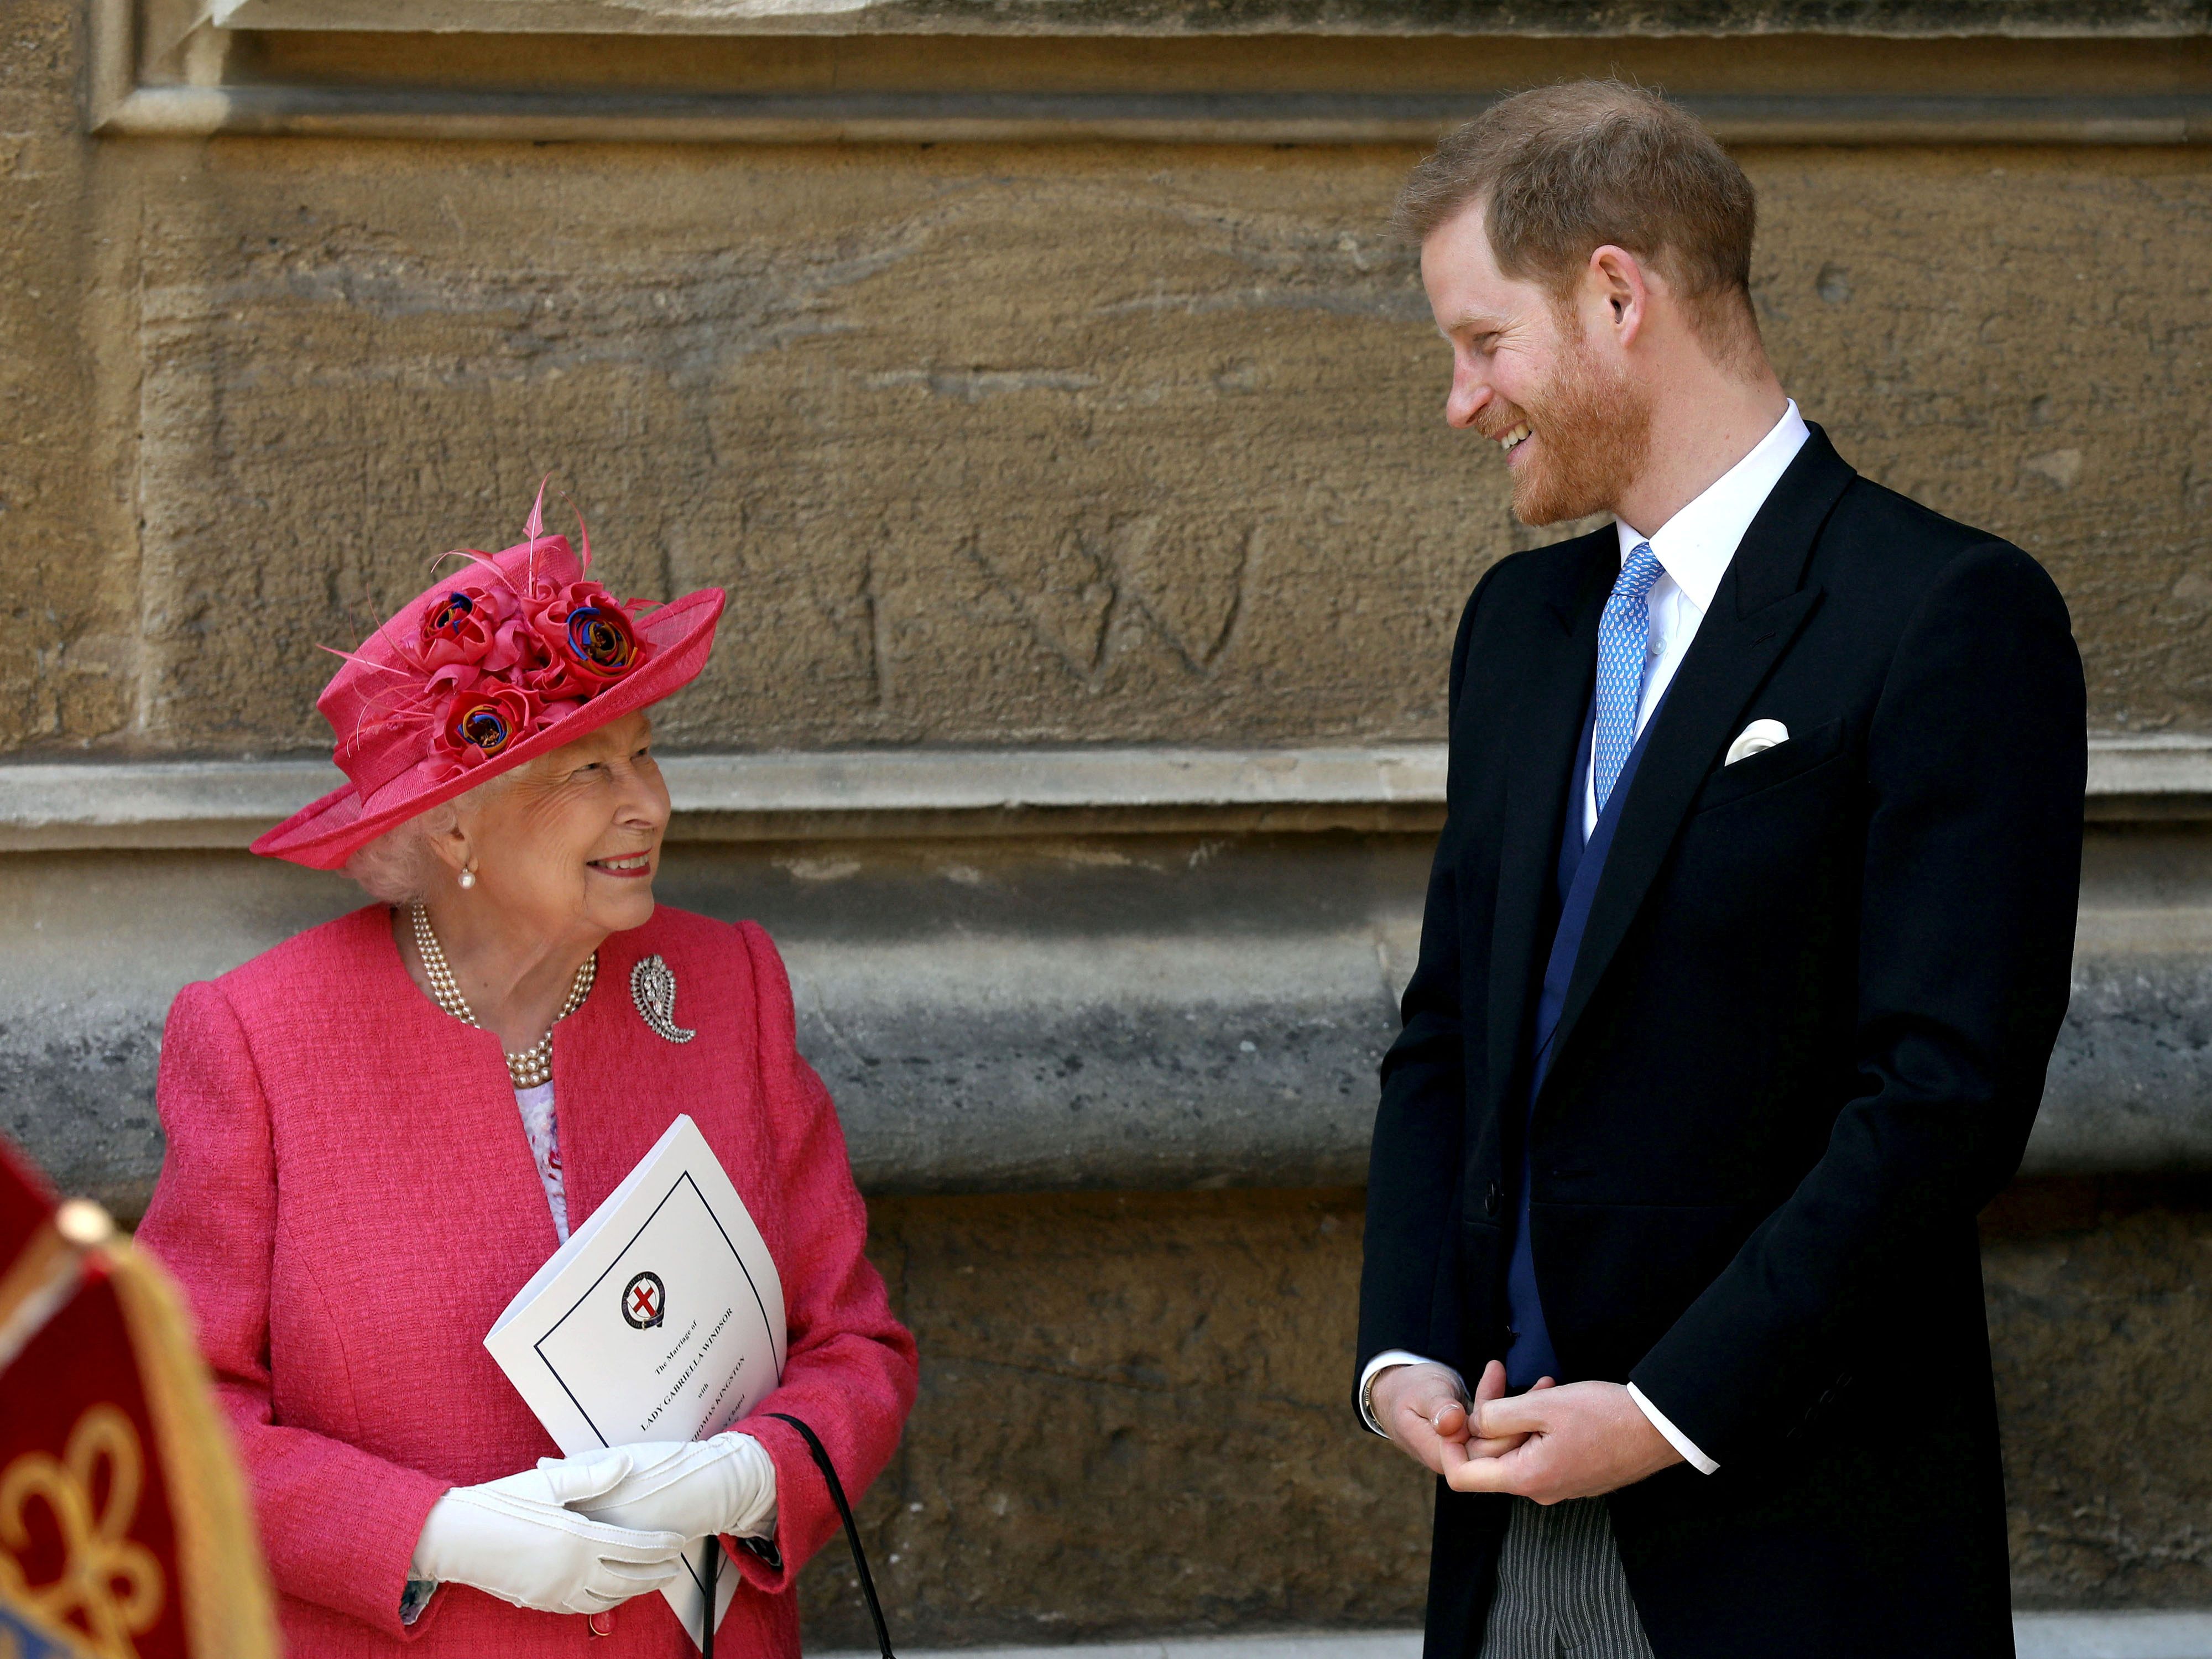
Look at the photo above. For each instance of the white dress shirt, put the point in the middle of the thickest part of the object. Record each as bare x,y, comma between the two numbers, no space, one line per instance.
1693,549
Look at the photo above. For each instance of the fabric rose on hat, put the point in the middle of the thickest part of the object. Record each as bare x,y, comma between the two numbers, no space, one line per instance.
483,720
588,635
479,628
459,627
515,647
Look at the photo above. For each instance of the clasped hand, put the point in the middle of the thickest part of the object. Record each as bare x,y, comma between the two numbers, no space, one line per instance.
1549,1445
583,1534
699,1488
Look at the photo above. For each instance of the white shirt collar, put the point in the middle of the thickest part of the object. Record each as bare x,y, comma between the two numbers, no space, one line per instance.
1695,546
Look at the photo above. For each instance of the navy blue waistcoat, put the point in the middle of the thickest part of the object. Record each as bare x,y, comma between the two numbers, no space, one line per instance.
1531,1355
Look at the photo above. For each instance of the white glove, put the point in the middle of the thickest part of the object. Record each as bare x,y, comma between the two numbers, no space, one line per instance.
693,1488
518,1540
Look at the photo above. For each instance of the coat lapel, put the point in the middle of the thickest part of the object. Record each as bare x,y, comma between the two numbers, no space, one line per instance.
1543,727
1760,605
454,1126
617,1085
612,1086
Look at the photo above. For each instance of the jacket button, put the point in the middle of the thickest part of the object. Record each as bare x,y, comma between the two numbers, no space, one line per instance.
601,1624
1494,1200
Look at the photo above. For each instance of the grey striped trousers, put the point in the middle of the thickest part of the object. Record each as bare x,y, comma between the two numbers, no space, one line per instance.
1560,1587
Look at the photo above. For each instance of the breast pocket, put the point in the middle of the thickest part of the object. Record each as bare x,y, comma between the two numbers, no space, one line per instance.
1770,768
1767,856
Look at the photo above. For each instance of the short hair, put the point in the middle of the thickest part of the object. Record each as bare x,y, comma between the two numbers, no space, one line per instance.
399,867
1563,170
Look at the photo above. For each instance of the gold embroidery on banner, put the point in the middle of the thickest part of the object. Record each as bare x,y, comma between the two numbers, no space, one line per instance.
221,1587
114,1582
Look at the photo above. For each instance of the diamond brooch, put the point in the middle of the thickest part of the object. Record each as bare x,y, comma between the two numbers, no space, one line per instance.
652,987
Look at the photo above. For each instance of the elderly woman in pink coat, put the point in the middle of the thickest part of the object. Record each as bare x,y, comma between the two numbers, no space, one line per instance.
378,1130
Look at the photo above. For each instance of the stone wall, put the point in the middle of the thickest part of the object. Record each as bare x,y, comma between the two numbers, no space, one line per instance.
1134,1415
2098,1314
1039,444
992,444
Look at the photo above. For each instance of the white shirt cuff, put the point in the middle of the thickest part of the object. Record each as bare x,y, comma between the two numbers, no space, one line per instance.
1381,1362
1680,1442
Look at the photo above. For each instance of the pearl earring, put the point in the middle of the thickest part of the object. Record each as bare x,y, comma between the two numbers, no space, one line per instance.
468,875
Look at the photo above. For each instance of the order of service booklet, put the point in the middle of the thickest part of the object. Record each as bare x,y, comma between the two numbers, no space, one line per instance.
661,1319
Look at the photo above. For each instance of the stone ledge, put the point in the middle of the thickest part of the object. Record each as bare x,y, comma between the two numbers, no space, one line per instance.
170,112
2063,19
2038,1636
2162,776
1127,1007
1121,70
55,805
965,1061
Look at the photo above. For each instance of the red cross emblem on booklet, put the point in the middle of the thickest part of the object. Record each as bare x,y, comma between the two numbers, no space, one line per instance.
645,1301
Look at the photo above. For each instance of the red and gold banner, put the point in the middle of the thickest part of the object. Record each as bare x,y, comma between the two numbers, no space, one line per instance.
124,1528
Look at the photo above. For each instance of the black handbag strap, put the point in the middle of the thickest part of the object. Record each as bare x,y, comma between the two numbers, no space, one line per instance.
852,1533
714,1595
852,1537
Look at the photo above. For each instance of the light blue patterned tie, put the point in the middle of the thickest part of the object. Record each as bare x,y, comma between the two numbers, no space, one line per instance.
1624,646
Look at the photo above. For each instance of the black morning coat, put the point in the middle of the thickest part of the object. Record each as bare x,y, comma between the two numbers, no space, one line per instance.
1802,1045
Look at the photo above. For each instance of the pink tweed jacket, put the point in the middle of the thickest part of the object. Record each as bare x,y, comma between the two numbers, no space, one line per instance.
348,1202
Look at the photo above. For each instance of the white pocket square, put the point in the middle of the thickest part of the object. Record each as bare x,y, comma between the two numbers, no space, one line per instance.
1760,734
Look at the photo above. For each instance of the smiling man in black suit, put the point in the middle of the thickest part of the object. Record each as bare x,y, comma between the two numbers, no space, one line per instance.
1746,946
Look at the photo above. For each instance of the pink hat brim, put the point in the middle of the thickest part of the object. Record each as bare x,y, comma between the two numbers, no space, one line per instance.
324,834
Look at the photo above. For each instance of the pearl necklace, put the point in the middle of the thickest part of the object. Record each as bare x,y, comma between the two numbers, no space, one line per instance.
533,1066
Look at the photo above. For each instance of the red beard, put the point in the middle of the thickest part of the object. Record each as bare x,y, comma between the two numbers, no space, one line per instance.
1593,431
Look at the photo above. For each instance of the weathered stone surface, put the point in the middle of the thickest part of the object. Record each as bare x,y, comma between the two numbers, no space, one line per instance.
1006,1014
2131,1083
80,1022
1001,446
2102,1338
998,444
1190,88
2001,374
1543,17
1014,519
1134,1414
1164,1011
67,622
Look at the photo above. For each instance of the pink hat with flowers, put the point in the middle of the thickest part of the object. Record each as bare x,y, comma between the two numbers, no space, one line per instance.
517,654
